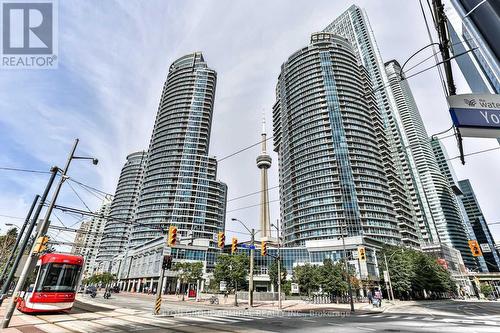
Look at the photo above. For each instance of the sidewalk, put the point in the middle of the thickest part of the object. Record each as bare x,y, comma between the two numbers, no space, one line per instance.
287,305
20,322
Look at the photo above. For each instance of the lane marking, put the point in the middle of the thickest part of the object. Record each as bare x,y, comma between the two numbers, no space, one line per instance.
365,328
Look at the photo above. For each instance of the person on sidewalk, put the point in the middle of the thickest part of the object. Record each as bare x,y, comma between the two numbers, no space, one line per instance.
378,297
370,297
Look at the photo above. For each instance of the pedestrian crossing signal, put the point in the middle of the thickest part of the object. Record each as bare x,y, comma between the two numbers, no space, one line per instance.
172,236
167,262
474,247
263,249
361,253
221,240
234,245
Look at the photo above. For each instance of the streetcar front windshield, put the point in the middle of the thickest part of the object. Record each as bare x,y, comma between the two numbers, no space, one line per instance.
58,277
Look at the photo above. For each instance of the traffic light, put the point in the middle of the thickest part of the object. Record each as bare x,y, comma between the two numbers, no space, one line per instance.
41,244
263,249
167,262
234,244
361,253
221,240
172,236
474,247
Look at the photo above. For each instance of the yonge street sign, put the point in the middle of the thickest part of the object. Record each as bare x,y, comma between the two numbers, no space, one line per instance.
476,115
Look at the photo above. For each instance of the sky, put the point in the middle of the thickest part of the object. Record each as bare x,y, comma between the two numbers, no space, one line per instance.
114,58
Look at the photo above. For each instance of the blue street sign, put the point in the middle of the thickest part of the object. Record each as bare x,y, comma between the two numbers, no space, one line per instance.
246,246
476,115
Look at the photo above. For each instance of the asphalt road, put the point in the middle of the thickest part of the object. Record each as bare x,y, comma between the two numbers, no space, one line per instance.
439,316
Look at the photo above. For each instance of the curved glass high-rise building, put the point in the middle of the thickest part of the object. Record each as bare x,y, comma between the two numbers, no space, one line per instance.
180,186
354,25
328,133
122,213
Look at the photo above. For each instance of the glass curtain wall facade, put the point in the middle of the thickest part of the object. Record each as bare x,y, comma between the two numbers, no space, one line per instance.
354,25
479,226
122,213
455,232
327,133
474,25
180,184
437,197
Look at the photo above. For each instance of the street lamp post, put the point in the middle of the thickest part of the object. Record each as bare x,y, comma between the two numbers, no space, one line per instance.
252,250
42,231
279,264
351,301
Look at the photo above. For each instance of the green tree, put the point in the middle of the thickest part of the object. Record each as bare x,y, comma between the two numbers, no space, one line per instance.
486,289
306,277
231,268
330,277
7,242
414,271
273,273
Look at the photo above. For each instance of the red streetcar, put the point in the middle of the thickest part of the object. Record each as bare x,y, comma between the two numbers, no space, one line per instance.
54,288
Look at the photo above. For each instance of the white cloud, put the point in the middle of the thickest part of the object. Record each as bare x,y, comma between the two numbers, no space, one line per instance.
114,58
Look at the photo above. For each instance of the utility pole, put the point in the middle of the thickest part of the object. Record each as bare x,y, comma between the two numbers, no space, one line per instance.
389,278
444,48
26,239
279,264
32,257
347,270
250,280
159,289
18,238
252,250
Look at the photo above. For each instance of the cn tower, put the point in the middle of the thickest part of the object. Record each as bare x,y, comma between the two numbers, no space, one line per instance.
264,163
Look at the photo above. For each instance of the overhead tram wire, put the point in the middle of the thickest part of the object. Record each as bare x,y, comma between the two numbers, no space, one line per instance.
78,196
24,170
252,193
474,153
243,149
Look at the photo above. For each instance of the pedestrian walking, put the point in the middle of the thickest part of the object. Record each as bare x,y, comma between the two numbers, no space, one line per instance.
378,297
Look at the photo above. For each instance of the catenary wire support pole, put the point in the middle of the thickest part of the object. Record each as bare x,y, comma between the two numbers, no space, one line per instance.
26,239
32,257
18,238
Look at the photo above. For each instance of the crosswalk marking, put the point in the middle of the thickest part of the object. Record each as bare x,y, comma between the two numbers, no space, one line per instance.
435,319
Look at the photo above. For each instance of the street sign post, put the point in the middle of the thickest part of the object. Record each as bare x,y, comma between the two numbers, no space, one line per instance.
476,115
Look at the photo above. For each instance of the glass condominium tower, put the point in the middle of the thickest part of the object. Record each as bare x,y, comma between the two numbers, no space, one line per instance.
122,213
433,189
180,184
328,133
455,232
354,25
